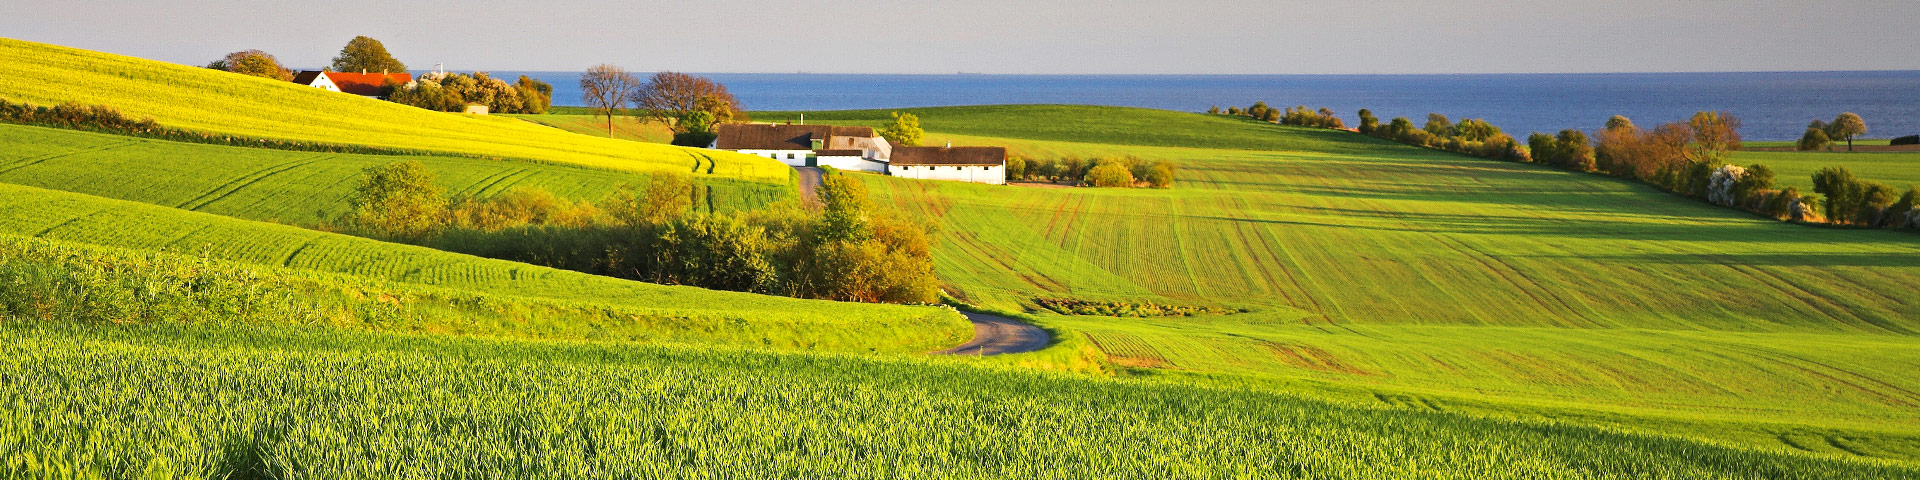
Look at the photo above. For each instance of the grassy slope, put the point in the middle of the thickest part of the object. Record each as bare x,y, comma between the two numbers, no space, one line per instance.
280,403
219,102
1446,278
298,188
706,315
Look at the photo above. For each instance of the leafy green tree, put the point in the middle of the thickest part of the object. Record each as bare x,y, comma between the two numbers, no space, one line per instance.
1213,110
1842,190
905,130
1814,139
1399,128
1619,122
669,195
364,54
1846,127
1368,122
845,209
1475,130
1438,125
398,201
1110,175
1544,148
1875,198
253,62
1016,168
1576,153
1758,178
1161,174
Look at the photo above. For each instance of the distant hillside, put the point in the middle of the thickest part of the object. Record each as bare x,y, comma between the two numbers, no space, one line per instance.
220,102
1095,124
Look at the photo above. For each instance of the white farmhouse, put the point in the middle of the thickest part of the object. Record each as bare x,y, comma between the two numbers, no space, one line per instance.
959,164
316,79
846,148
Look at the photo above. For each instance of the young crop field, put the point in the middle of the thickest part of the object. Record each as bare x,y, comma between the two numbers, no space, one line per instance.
223,103
680,313
1899,169
299,188
1397,270
185,401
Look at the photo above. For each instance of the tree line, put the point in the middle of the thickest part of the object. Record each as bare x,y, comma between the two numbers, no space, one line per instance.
1690,158
1118,172
1298,116
445,92
845,249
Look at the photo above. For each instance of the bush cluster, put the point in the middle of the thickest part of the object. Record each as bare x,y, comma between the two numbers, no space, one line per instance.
847,250
1304,117
103,119
1123,172
1474,137
452,92
1070,306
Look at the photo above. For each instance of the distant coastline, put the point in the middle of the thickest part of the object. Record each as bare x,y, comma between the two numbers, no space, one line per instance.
1773,105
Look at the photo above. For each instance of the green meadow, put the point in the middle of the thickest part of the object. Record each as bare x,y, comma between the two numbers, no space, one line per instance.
1899,169
299,188
1460,282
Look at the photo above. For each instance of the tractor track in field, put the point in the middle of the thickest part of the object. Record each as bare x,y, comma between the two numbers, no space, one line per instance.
997,335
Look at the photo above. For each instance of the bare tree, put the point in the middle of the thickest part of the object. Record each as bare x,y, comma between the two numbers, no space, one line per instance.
606,88
671,96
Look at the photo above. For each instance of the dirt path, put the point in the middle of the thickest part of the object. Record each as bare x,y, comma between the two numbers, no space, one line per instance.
809,180
995,335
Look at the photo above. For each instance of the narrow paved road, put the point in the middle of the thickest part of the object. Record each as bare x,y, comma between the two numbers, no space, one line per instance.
809,179
995,335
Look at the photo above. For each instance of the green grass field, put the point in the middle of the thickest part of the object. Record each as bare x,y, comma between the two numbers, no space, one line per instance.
1899,169
299,188
670,313
1462,282
1411,313
219,102
286,402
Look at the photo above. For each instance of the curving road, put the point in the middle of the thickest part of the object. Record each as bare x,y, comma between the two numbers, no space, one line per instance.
997,335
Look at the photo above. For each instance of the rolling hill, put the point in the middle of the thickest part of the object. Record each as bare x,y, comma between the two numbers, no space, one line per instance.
223,103
1428,277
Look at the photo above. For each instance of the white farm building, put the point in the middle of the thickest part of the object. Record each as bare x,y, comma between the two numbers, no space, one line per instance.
859,149
959,164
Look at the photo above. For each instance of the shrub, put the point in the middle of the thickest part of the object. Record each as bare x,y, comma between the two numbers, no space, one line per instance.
397,201
1161,175
1017,168
1368,122
1110,174
904,130
1814,139
1842,190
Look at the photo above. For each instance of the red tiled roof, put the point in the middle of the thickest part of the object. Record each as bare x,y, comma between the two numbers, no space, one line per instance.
949,156
366,84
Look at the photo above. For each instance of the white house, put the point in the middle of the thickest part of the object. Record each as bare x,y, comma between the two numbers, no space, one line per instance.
959,164
363,84
846,148
316,79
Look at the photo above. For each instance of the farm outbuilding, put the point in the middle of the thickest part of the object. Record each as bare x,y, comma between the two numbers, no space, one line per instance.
807,145
959,164
362,84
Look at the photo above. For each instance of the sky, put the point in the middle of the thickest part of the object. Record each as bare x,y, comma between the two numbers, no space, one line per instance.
1009,36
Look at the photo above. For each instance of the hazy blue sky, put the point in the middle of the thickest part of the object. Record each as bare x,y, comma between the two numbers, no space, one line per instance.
1010,36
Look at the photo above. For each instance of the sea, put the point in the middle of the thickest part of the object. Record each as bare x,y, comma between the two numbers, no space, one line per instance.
1771,105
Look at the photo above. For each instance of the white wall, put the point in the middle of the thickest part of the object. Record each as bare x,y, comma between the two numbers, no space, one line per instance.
851,163
996,174
324,83
797,158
